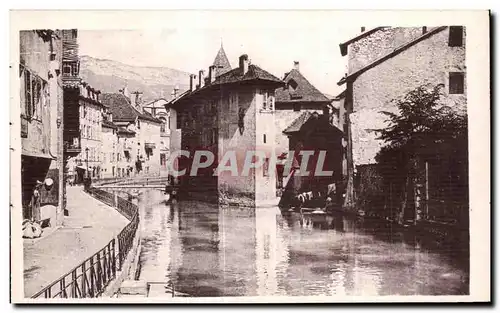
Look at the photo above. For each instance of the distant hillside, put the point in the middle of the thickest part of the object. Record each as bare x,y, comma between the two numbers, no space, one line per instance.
110,76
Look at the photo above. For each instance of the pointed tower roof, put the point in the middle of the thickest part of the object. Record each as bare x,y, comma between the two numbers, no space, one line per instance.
221,62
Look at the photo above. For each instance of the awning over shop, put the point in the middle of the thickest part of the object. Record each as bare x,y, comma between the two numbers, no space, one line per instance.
37,155
80,167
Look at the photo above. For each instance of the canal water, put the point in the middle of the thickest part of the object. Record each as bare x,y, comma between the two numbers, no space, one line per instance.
205,250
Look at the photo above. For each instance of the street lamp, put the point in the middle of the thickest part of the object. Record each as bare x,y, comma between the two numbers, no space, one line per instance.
87,153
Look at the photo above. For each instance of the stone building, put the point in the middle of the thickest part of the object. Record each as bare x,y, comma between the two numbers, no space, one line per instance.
231,111
157,109
292,100
88,162
139,154
386,63
294,104
41,97
110,149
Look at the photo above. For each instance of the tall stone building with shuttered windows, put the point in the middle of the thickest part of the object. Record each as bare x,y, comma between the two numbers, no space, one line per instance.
229,111
41,121
386,63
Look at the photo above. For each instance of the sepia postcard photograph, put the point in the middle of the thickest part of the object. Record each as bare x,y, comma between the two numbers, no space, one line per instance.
249,156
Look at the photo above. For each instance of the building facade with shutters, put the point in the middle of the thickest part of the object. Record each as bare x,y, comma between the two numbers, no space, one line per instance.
386,63
230,112
157,109
41,121
88,162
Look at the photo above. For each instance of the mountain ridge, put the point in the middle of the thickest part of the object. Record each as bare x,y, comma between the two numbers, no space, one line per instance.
110,76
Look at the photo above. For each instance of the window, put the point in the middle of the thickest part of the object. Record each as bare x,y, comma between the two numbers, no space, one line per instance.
214,136
456,83
233,102
424,30
35,95
163,160
74,69
267,101
27,96
265,168
296,107
67,69
213,107
264,138
456,36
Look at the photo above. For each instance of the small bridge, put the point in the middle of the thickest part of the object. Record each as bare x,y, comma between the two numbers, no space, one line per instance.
134,188
162,187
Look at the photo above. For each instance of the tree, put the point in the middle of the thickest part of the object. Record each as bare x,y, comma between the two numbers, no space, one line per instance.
423,129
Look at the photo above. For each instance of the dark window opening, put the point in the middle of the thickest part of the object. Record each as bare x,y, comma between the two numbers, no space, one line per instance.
265,169
456,36
67,69
456,83
264,138
296,107
424,29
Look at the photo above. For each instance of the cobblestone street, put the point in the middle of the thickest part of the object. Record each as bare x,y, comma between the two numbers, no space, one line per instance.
89,227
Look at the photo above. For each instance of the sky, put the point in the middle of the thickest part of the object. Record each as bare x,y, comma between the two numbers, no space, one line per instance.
188,49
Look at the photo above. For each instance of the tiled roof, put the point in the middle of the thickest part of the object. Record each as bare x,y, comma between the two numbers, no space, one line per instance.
106,123
311,121
254,73
340,96
221,62
122,109
304,91
298,122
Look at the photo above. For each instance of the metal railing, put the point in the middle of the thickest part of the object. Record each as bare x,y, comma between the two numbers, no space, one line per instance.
105,197
88,279
92,276
126,239
126,208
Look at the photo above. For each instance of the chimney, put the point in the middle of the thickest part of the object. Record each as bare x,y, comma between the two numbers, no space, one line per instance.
176,90
192,77
201,78
138,97
296,65
211,74
244,64
363,29
125,92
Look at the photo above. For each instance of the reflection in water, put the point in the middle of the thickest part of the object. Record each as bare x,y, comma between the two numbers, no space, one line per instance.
210,251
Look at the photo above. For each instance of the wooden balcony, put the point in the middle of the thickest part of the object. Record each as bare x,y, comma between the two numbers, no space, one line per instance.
72,147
